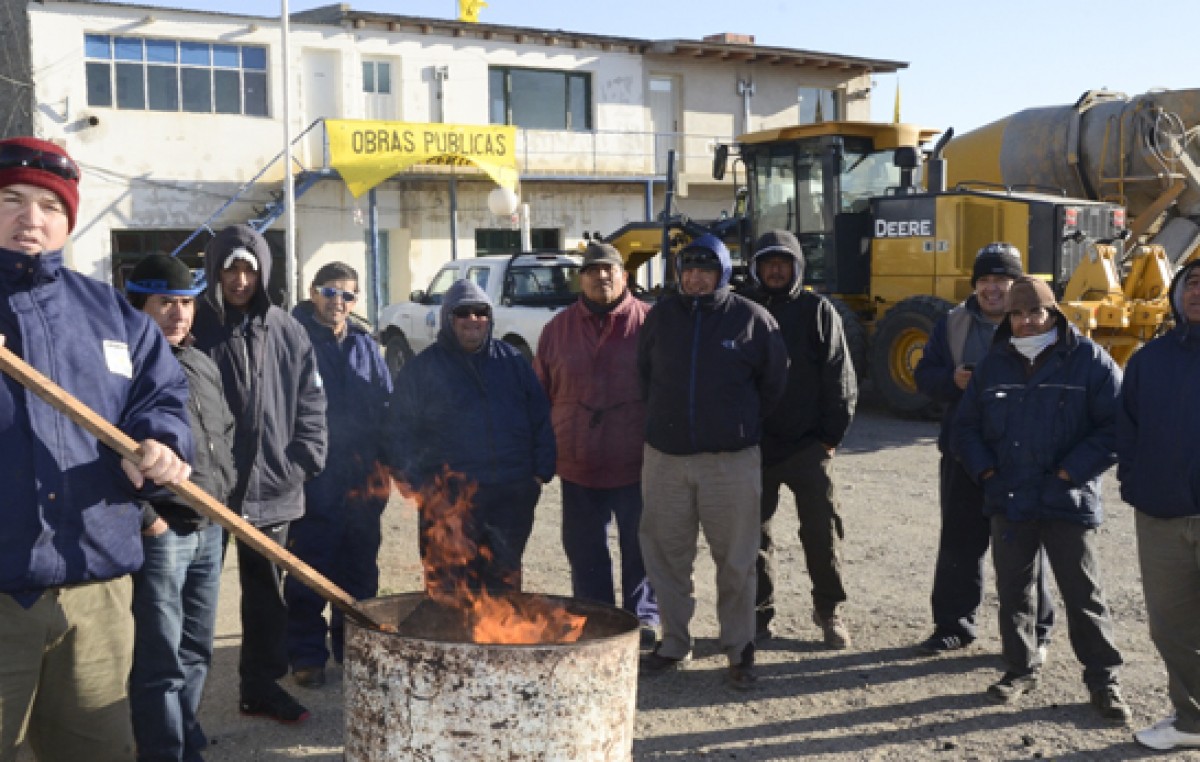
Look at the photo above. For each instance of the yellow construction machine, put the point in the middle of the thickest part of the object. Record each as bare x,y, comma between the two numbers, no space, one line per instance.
893,245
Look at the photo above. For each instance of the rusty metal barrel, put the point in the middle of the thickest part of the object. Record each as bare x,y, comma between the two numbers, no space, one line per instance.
434,698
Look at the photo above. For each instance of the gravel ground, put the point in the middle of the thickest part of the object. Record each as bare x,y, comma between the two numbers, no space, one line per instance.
878,700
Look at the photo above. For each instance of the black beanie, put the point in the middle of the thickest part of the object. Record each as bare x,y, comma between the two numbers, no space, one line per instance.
161,274
997,259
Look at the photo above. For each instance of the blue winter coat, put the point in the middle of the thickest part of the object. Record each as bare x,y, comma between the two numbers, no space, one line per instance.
1159,466
69,513
357,389
1063,416
483,414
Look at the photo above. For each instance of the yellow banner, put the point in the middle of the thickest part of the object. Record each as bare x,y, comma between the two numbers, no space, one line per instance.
366,153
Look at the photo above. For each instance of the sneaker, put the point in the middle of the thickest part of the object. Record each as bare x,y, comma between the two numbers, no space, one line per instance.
276,705
836,635
309,677
1164,737
1110,705
1012,686
937,644
655,663
1043,652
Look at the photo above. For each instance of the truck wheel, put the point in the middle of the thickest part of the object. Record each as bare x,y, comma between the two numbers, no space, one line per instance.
856,337
396,352
898,346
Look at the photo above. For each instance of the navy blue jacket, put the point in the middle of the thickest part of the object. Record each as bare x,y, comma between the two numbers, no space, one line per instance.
357,389
482,414
69,513
271,383
934,373
1028,426
1159,466
711,368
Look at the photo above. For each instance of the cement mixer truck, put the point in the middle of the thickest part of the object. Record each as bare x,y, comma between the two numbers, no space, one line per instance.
1141,152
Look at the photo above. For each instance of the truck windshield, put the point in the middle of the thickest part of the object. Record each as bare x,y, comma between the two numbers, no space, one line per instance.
553,284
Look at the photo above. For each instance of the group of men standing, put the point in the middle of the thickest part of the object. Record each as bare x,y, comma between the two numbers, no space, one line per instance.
670,420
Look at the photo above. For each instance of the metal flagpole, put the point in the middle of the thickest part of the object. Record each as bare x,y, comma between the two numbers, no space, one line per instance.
292,287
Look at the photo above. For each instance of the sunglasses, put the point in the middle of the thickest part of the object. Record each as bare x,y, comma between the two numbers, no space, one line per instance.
329,292
466,312
12,156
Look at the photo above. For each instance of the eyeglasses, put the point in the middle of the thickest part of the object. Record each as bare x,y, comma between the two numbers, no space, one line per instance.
12,156
466,312
329,292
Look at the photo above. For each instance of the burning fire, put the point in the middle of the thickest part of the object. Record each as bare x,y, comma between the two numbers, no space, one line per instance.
449,555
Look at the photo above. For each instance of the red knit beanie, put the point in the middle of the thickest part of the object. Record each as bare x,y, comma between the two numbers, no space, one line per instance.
32,161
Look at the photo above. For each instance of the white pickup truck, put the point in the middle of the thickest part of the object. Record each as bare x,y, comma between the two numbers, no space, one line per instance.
526,289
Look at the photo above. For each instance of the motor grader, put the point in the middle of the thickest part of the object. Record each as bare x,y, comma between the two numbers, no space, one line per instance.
893,247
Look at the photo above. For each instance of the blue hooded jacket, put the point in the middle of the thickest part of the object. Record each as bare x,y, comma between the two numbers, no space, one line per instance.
711,367
69,513
481,413
1028,426
1158,418
357,388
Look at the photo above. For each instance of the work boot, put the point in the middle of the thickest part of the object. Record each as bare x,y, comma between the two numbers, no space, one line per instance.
741,676
1012,686
655,663
837,636
1110,705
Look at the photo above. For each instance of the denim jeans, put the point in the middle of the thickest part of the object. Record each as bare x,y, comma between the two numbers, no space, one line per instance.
175,611
588,513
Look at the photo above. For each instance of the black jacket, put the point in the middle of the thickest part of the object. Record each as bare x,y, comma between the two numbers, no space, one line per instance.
271,382
711,368
212,430
822,390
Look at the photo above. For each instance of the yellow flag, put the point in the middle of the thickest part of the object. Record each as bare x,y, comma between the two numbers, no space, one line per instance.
468,10
365,153
896,107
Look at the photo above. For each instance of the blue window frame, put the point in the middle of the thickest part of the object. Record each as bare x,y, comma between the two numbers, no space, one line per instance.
151,74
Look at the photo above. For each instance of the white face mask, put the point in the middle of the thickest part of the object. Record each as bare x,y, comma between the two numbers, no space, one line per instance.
1032,346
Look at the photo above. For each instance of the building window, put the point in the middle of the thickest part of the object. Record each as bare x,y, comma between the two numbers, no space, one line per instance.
500,241
377,77
536,99
143,74
818,105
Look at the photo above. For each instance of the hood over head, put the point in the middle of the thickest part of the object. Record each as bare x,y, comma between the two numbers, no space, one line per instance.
1176,292
779,243
232,243
712,245
463,293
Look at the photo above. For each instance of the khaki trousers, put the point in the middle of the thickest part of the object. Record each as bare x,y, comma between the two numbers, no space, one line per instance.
64,665
1169,554
718,493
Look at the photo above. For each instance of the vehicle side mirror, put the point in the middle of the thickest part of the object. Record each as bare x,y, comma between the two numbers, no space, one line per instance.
417,296
720,158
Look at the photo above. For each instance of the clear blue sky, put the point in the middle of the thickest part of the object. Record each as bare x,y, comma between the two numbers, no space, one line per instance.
970,62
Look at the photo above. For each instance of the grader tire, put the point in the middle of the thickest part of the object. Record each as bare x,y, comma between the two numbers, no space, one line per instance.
898,346
856,337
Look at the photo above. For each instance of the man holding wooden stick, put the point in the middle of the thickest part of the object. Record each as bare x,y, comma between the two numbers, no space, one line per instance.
71,518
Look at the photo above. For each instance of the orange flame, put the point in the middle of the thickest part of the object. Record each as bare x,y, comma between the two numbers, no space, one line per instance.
445,504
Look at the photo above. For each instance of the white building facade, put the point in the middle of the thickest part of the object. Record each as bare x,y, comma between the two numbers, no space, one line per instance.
170,113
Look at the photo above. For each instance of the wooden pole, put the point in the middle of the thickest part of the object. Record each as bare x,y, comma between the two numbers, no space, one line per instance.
198,499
